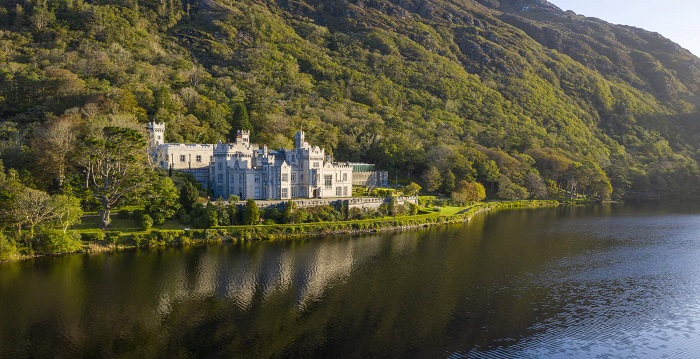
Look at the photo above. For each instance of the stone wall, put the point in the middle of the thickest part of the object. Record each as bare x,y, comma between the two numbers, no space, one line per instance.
353,202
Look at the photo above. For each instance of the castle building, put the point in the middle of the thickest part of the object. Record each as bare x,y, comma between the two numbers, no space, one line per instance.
249,171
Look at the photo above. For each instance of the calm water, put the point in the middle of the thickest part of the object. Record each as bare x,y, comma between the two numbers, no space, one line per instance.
607,282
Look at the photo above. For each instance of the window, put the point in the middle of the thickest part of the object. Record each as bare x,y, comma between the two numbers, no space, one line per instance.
301,178
284,193
294,192
345,177
328,181
338,191
294,177
257,179
345,191
198,158
316,165
285,177
221,166
240,178
221,178
257,191
183,158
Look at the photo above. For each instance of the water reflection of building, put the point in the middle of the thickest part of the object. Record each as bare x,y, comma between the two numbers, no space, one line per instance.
262,270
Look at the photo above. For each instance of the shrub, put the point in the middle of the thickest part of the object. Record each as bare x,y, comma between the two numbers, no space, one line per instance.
146,222
92,236
123,214
8,249
168,237
139,239
185,241
212,235
56,241
184,218
113,236
158,218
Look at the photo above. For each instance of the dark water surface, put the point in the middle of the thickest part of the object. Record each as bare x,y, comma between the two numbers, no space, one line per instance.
607,282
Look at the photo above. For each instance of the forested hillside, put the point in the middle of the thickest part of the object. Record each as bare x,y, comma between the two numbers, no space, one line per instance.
518,95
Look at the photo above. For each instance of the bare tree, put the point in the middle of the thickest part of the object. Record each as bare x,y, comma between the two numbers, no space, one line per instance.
54,145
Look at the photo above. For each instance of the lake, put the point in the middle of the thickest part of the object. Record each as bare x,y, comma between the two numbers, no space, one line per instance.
582,282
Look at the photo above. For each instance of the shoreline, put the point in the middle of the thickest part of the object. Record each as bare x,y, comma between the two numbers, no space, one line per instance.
232,234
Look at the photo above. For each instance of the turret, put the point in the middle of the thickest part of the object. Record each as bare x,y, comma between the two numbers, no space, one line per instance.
299,141
242,137
156,133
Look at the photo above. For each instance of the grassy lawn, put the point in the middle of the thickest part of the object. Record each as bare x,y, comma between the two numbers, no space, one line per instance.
91,223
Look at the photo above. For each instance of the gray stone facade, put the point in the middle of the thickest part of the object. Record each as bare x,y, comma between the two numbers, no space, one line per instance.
243,169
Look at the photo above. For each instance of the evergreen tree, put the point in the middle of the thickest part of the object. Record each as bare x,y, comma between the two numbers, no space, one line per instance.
240,120
188,196
288,212
251,213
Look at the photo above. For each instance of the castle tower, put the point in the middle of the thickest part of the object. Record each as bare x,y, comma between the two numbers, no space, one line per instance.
156,133
242,137
299,141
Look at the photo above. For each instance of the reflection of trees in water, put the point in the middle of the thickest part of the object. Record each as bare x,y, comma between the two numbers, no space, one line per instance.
412,294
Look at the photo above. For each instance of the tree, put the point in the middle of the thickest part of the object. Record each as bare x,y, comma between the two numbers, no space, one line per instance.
162,198
448,182
54,145
251,213
535,185
468,192
289,208
30,208
189,194
240,120
67,210
507,189
8,249
54,241
432,180
115,165
411,189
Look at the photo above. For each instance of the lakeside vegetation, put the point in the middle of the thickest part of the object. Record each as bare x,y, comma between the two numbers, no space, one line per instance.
468,102
127,234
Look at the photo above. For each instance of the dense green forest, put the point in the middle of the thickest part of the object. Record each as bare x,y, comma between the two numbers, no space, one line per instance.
518,95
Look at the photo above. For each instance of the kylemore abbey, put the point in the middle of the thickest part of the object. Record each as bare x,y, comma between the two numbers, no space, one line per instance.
247,170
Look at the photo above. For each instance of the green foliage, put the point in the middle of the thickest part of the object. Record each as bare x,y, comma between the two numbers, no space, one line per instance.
162,199
468,192
54,241
92,236
115,164
411,189
453,93
189,194
8,249
113,236
146,222
240,120
251,213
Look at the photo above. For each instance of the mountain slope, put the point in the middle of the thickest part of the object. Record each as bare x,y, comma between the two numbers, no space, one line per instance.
516,94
